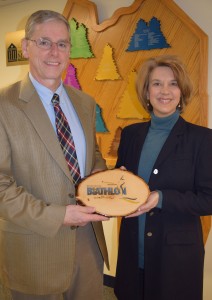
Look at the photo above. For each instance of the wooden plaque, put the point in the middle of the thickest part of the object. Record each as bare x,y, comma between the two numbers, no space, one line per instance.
113,192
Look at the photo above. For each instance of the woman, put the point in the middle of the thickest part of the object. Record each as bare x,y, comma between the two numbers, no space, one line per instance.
161,251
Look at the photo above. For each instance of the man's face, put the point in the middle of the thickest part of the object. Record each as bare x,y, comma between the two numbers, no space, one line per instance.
47,65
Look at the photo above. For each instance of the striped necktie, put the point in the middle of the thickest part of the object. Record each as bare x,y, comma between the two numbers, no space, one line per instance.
66,139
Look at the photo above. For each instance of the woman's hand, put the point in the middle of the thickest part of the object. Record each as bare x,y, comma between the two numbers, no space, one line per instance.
151,202
123,168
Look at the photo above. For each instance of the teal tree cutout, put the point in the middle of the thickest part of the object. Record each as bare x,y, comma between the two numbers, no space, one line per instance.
100,125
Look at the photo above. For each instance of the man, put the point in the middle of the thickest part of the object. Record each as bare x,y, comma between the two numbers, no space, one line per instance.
50,248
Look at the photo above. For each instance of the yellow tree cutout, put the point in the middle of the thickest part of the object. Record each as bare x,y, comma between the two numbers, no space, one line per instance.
107,68
130,106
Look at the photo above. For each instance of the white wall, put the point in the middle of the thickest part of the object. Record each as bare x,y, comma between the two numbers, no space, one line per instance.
201,13
14,19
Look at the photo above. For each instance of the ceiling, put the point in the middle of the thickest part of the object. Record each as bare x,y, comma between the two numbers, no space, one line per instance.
9,2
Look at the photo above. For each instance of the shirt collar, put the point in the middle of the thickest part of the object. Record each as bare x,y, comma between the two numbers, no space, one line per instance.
166,123
44,93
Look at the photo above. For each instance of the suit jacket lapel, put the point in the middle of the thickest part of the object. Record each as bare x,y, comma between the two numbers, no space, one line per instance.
137,145
82,112
172,141
33,108
168,147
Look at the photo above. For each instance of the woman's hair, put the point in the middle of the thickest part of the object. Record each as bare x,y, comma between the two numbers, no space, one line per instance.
180,74
42,16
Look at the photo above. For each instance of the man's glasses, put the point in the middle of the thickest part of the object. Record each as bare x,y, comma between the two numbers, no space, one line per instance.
47,44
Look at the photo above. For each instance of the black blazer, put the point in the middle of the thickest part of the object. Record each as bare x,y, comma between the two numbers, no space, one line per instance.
174,250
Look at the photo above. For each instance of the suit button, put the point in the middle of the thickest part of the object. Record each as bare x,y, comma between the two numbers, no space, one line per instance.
155,171
149,234
71,195
151,213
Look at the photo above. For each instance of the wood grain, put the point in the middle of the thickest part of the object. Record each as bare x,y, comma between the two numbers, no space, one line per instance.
186,38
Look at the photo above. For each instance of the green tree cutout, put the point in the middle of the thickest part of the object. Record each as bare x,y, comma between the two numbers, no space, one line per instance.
80,47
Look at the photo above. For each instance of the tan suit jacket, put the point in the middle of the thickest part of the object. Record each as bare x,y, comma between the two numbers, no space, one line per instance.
36,252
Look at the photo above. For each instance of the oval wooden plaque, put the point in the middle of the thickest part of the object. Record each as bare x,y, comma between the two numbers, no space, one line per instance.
113,193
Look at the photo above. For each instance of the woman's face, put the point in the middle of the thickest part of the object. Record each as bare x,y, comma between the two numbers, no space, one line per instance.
163,91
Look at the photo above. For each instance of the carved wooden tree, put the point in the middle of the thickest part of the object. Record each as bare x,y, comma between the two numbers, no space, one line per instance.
107,69
130,106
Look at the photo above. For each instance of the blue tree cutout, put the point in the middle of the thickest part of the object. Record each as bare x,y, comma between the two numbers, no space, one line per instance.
147,37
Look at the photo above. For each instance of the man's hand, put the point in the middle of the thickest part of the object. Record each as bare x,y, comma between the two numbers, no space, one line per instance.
77,215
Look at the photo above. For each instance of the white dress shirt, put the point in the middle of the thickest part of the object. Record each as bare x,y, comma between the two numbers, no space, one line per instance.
46,95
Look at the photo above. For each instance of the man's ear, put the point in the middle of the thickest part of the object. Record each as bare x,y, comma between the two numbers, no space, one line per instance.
24,44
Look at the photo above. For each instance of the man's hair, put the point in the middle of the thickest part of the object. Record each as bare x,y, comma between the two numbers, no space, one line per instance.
43,16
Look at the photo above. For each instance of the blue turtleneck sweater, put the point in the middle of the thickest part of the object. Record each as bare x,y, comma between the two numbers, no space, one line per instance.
158,132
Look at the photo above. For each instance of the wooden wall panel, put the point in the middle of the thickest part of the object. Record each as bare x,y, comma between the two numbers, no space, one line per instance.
187,40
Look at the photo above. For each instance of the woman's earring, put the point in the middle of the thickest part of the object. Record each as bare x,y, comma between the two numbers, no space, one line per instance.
179,106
